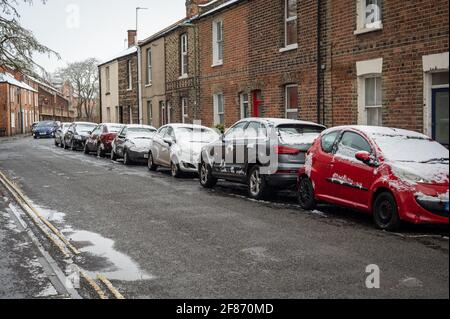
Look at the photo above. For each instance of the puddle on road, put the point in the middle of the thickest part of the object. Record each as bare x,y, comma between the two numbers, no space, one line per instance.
113,264
122,267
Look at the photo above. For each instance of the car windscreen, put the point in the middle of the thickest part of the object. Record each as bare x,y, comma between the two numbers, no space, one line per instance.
114,128
86,127
140,132
299,133
411,149
45,124
196,135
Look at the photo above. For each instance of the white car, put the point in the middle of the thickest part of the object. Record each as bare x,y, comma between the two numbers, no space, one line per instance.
178,147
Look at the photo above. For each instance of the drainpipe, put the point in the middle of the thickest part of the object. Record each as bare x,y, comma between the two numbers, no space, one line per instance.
100,94
139,68
319,62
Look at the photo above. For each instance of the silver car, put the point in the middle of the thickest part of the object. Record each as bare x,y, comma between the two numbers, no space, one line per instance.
178,147
60,132
132,143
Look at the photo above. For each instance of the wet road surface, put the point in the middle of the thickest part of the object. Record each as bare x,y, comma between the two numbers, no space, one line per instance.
157,237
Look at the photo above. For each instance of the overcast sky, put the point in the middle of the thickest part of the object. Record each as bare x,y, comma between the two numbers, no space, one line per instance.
100,28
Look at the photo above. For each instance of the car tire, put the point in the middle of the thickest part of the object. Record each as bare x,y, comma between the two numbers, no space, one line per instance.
72,146
113,155
206,178
152,167
175,170
306,195
126,158
86,150
385,212
257,186
100,152
56,143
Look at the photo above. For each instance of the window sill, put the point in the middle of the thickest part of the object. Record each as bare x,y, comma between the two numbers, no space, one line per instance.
368,30
129,90
148,85
289,48
216,64
184,76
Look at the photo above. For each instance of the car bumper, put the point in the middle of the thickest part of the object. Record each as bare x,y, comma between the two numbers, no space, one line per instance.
43,134
425,206
281,180
188,167
138,155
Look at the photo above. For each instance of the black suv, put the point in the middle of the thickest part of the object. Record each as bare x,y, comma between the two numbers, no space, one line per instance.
263,153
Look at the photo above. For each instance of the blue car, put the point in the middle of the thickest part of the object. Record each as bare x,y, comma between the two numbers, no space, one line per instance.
45,129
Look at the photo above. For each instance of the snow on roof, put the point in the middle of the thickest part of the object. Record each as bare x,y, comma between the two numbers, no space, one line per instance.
10,79
218,8
121,54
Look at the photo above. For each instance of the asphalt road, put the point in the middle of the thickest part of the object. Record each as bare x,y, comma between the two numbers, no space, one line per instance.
157,237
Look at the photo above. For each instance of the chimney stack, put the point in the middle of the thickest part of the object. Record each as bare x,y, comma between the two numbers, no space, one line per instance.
132,34
192,7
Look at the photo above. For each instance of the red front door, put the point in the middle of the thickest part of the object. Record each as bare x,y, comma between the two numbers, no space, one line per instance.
256,103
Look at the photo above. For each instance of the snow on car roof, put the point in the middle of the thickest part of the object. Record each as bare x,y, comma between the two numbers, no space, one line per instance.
138,126
382,131
279,121
179,125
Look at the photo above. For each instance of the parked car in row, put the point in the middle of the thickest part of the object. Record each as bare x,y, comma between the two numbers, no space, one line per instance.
77,135
263,153
395,175
178,147
101,138
45,129
132,143
60,132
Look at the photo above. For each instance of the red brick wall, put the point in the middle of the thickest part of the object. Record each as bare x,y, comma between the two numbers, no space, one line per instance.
3,107
411,29
127,97
233,76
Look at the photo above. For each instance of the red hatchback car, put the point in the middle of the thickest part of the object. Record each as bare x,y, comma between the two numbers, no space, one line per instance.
100,139
395,175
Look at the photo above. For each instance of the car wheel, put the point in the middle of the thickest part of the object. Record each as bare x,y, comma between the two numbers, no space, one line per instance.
306,196
86,149
175,170
385,212
72,146
65,145
206,178
257,187
113,155
151,164
126,158
56,143
100,152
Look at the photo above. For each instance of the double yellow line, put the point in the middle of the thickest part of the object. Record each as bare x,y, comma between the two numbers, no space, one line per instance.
60,242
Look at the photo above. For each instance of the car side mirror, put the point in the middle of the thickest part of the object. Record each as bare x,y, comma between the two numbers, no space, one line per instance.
168,140
366,158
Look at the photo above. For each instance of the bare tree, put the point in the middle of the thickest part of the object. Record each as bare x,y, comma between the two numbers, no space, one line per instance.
17,44
83,76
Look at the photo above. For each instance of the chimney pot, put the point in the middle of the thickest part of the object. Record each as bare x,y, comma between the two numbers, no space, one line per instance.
132,34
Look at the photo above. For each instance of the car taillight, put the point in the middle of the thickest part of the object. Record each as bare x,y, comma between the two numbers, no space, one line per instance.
286,150
109,136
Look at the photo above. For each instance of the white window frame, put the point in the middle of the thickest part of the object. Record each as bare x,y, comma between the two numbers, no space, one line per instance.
149,76
130,110
292,46
244,101
108,114
150,111
216,98
366,69
286,99
13,120
361,25
184,55
217,43
130,76
184,109
377,77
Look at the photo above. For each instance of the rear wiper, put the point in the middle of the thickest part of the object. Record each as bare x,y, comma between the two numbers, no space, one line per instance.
443,159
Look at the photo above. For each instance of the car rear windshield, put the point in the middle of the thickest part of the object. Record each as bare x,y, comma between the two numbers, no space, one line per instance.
141,132
201,135
86,127
46,124
299,133
114,128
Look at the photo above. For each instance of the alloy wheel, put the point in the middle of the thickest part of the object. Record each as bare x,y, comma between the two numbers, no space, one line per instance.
255,183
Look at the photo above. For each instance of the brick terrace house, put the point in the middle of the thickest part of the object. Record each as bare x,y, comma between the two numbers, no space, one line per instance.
387,64
112,75
128,111
18,103
182,87
53,106
335,62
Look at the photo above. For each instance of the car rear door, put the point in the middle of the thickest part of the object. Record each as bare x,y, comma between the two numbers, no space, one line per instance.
157,144
352,177
120,141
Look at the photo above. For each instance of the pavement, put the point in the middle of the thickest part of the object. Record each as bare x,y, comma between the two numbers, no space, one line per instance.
158,237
